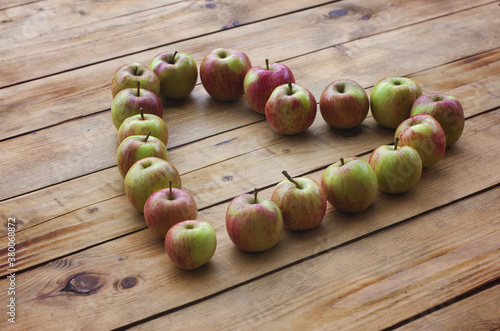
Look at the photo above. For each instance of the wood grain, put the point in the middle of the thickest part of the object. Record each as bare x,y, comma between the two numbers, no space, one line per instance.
141,255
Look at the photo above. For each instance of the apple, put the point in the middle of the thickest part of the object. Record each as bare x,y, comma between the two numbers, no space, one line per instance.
398,169
167,207
128,102
138,147
141,124
128,75
147,176
302,202
344,104
222,72
190,244
253,224
260,82
391,100
291,109
446,109
425,134
350,185
177,73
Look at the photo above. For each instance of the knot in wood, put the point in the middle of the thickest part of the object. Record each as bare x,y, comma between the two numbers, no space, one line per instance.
84,283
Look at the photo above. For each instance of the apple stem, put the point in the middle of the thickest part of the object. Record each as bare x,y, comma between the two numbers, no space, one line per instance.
267,64
138,88
135,70
342,161
170,197
142,114
173,57
147,136
290,88
396,143
255,191
290,178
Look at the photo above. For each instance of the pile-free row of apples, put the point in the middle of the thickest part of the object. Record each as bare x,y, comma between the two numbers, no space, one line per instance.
425,125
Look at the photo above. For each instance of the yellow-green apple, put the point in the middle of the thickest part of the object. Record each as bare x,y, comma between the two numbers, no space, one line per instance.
167,207
344,104
446,109
128,75
128,102
391,100
138,147
398,169
260,82
350,184
425,134
190,244
177,73
253,224
222,72
141,124
291,109
147,176
302,202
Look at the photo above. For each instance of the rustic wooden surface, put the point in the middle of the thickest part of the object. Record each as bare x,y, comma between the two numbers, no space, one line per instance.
85,259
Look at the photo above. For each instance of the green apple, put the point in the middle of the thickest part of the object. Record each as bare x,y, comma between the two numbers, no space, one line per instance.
177,73
350,185
391,100
190,244
398,169
302,202
141,124
128,75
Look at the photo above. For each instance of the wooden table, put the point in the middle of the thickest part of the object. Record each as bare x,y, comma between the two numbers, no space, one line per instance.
85,259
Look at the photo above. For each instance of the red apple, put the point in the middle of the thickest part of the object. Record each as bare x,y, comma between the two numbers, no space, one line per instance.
446,109
426,135
128,75
344,104
350,185
398,169
190,244
222,72
167,207
141,124
177,73
302,202
147,176
291,109
260,82
128,102
253,224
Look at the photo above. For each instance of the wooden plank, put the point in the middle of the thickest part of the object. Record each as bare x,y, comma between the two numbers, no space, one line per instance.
127,34
104,135
139,258
377,281
41,103
479,312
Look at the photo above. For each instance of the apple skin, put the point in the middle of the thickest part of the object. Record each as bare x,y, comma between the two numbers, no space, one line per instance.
398,169
128,75
147,176
253,224
302,204
446,109
350,185
260,82
391,100
141,124
138,147
291,109
167,207
129,103
344,104
190,244
222,72
177,72
425,134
